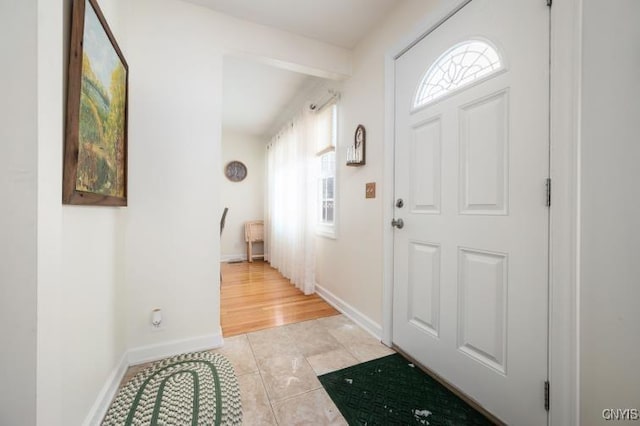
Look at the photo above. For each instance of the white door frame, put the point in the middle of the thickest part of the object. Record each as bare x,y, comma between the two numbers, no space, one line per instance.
564,256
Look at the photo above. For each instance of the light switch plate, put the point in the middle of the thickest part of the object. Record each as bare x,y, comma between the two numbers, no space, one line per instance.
370,190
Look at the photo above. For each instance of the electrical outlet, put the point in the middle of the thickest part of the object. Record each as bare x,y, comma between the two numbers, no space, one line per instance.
156,319
370,190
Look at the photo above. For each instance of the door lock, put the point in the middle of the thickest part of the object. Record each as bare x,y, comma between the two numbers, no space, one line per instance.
398,223
400,203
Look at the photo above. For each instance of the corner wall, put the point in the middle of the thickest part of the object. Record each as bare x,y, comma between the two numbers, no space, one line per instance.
81,329
172,241
245,199
610,210
18,215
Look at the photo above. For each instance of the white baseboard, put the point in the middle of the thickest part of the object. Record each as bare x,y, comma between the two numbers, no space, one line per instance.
107,393
352,313
238,257
143,354
233,257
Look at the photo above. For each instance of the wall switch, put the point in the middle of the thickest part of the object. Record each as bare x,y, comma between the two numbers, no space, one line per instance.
370,190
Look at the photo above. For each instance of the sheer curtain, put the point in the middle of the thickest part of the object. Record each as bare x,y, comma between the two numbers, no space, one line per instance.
291,201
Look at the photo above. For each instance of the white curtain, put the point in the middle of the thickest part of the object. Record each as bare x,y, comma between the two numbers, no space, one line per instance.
291,201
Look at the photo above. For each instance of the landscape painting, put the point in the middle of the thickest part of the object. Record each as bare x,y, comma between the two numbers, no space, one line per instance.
96,144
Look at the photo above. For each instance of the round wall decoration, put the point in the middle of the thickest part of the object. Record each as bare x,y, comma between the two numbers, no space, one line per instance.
235,171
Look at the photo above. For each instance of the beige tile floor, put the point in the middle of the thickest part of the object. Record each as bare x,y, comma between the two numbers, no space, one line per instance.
277,369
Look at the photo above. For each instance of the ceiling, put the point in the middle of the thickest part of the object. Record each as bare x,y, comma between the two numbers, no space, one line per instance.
255,95
339,22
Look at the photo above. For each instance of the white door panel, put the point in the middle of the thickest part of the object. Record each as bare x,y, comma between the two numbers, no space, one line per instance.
470,284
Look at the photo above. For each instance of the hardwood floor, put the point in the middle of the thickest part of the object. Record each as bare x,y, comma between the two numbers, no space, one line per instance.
254,296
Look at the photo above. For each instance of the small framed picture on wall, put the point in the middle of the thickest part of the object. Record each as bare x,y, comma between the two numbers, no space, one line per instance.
356,152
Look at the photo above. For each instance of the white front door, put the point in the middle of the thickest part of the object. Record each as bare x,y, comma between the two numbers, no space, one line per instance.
471,162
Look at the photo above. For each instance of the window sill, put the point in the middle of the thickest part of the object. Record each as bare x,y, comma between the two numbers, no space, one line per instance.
326,231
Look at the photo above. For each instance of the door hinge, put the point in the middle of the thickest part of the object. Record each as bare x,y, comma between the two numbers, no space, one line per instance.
549,2
547,390
548,186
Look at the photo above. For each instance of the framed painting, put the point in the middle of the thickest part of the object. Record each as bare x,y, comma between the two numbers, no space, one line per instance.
95,159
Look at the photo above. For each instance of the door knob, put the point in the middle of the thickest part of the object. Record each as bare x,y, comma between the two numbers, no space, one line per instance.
398,223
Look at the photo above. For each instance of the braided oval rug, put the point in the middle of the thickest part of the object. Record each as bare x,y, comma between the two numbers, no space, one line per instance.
191,389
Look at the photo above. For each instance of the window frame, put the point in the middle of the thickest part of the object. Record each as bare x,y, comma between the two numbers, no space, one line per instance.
328,229
418,104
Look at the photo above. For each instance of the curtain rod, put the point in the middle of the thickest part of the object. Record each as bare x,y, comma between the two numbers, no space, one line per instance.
333,95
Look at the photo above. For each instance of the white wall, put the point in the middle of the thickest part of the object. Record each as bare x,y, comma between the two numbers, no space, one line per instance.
610,209
18,178
81,329
245,199
350,266
52,34
92,306
100,271
172,226
65,265
172,243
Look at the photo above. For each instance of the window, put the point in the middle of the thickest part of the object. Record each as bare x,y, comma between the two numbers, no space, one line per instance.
459,66
327,188
326,133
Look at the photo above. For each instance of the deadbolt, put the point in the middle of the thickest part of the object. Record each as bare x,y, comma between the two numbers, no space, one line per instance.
400,203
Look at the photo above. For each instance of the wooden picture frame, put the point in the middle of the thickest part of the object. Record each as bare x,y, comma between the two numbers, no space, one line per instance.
95,157
356,153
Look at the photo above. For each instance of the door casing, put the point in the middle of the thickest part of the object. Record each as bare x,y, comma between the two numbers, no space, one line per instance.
564,280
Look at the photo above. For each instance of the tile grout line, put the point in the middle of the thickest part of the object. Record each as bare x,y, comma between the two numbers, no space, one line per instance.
320,387
303,356
273,412
287,331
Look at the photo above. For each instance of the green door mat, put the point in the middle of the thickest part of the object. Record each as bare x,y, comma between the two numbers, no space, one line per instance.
392,391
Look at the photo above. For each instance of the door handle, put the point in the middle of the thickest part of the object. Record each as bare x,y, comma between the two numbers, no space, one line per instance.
398,223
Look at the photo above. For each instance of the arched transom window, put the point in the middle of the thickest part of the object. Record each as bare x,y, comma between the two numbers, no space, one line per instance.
459,66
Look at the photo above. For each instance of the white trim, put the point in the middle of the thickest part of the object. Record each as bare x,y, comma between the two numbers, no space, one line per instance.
388,199
141,355
432,21
330,230
325,230
564,279
564,291
149,353
234,257
349,311
107,393
325,150
502,67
